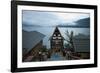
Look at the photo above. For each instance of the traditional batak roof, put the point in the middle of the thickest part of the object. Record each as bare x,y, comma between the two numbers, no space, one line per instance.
56,31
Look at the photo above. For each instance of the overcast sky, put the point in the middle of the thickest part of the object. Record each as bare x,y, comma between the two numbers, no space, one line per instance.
50,18
33,19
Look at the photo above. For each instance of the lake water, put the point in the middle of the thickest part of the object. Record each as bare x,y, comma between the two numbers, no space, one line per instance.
48,31
56,56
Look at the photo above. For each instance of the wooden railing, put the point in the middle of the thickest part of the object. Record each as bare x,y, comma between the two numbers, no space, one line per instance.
72,56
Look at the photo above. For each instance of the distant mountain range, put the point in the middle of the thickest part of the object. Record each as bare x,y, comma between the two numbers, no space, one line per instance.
30,25
82,23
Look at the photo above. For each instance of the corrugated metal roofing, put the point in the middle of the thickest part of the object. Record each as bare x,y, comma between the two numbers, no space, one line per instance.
30,39
81,43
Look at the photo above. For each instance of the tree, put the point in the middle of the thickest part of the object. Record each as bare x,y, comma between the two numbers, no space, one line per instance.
70,40
66,45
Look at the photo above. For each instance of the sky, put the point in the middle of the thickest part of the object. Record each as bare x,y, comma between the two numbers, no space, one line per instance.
33,20
42,18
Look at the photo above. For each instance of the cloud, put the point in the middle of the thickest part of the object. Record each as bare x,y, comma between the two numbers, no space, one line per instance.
42,18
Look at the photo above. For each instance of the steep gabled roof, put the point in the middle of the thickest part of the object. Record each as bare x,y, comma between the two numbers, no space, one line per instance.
81,43
30,39
56,31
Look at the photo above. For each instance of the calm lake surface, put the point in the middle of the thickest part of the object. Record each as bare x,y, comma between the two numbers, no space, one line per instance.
48,31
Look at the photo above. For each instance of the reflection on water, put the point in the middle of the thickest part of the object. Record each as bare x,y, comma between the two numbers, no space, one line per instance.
48,31
56,56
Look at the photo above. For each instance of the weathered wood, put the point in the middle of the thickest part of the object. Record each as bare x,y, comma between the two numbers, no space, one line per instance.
56,41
